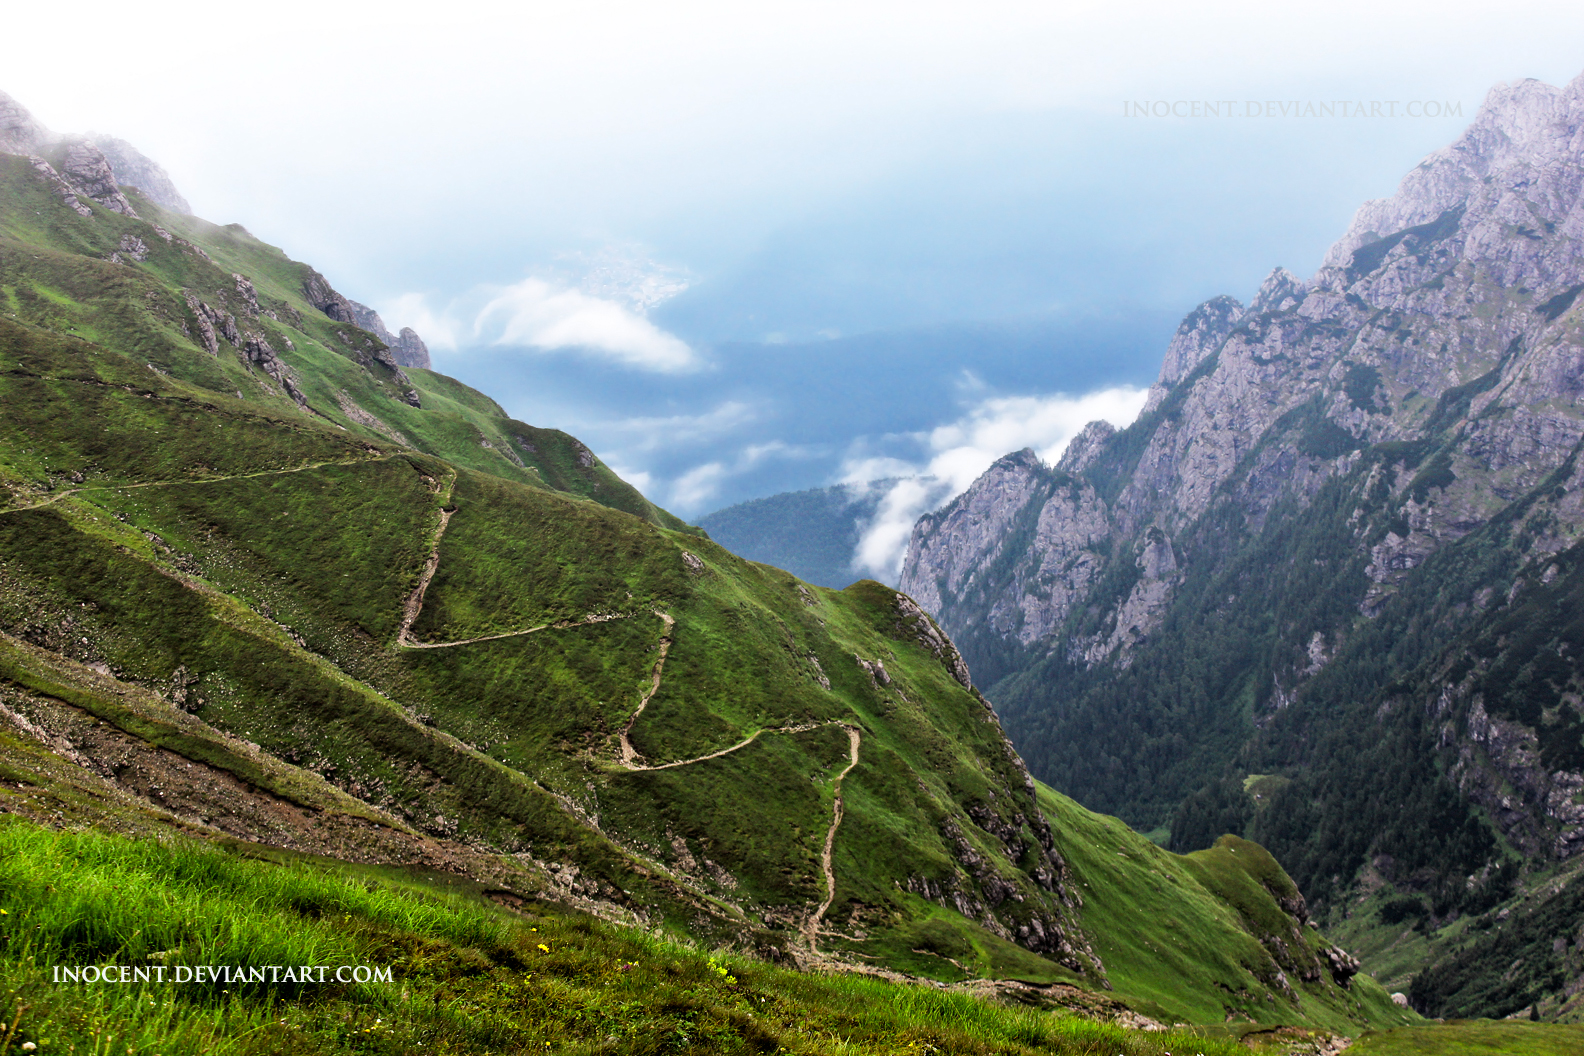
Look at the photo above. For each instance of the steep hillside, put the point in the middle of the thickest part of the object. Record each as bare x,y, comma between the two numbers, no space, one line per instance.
1319,592
260,583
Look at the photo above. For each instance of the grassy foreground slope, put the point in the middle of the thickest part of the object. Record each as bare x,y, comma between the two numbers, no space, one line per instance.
1473,1037
256,584
466,975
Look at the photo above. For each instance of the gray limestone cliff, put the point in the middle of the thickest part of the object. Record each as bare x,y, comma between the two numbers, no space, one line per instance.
407,348
134,169
95,167
19,132
1422,388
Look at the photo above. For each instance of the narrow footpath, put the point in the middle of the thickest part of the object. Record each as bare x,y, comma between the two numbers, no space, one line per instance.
628,757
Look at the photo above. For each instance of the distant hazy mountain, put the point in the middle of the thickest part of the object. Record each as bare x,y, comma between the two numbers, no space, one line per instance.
812,534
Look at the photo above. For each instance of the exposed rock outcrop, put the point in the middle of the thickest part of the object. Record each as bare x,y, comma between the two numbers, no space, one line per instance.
410,350
132,168
94,166
915,622
257,351
406,348
203,320
88,170
1428,379
317,289
19,132
62,188
214,323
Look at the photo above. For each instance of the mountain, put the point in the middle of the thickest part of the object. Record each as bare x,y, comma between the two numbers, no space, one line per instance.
133,169
261,585
1321,592
813,534
406,348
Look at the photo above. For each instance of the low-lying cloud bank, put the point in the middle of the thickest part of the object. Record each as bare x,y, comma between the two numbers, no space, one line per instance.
602,312
959,452
534,314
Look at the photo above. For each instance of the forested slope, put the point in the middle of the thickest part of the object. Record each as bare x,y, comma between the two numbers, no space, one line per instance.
1319,593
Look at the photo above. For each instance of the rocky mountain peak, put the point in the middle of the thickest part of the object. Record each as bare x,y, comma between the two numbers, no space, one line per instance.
1024,459
1199,334
407,348
19,132
1084,448
1525,135
1306,469
135,169
1280,292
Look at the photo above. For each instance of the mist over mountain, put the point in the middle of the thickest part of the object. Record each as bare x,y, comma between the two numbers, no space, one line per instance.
813,534
1041,254
307,652
1323,590
753,420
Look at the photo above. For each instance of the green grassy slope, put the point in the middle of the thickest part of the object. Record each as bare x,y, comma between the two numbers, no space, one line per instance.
1212,917
316,616
55,274
466,975
1478,1037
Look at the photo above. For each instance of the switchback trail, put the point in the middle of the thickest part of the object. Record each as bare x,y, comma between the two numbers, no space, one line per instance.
628,756
811,929
559,625
627,762
414,603
413,606
69,492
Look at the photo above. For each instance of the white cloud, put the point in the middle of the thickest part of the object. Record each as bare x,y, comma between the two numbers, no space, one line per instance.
959,452
697,486
641,479
540,315
673,430
439,329
534,314
624,273
885,538
879,467
965,448
693,490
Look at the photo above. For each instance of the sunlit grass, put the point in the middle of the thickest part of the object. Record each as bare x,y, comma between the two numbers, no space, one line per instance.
466,976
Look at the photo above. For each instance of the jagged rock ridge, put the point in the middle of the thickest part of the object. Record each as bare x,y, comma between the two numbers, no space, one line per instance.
1424,384
134,169
407,348
97,166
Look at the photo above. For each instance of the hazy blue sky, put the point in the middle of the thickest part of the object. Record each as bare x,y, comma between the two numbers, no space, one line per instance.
740,248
